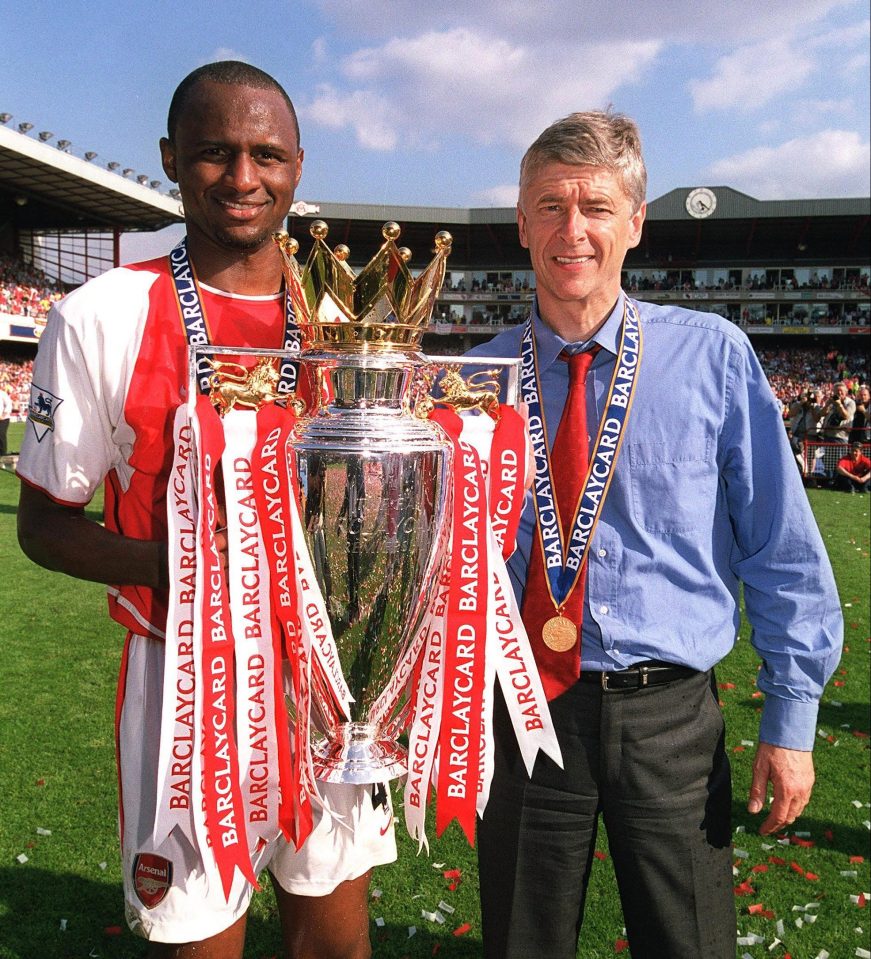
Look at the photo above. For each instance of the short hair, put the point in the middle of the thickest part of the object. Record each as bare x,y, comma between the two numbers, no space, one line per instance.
231,72
595,138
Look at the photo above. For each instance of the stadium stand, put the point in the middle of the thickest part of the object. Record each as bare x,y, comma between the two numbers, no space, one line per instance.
793,273
26,290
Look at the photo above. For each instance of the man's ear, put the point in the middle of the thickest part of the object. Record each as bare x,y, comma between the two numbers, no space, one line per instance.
167,158
521,227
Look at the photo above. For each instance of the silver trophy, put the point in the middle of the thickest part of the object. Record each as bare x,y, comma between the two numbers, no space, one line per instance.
373,479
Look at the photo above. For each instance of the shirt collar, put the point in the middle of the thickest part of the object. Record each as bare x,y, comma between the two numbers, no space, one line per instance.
549,345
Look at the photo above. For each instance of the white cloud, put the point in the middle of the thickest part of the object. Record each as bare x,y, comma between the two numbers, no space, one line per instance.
369,115
461,81
319,50
812,110
841,38
546,21
830,163
855,66
752,76
505,194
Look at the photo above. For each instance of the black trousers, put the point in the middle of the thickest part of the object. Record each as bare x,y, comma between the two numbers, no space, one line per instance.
4,431
652,762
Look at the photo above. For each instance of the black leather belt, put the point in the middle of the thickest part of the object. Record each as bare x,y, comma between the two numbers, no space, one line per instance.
638,676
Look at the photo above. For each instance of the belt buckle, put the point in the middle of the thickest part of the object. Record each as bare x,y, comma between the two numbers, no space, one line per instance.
603,679
644,676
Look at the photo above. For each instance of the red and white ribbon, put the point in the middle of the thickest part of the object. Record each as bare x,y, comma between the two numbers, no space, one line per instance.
177,790
251,616
222,797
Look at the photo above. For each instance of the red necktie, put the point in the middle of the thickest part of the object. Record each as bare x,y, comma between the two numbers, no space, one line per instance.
569,460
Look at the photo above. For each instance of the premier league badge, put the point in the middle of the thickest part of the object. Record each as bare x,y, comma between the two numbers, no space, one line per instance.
40,413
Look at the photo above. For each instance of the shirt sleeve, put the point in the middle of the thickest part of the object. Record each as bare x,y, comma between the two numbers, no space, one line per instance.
67,448
790,595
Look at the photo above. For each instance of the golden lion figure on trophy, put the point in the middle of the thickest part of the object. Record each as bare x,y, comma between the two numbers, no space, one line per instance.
478,391
234,385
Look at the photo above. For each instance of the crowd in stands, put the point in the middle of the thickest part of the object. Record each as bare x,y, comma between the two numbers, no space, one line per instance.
25,290
794,372
15,375
679,281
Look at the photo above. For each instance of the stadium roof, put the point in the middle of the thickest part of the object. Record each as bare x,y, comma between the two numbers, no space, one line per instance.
43,188
740,228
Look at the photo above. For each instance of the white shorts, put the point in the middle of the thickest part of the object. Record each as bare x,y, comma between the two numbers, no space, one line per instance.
182,905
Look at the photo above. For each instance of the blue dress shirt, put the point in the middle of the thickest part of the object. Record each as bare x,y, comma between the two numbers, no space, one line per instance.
706,495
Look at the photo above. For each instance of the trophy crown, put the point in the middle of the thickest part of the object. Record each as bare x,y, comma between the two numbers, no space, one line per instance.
383,307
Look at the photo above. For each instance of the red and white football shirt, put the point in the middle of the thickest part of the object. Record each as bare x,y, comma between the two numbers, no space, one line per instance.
111,369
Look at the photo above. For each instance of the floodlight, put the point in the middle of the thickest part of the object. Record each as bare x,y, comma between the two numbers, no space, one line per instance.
90,155
113,165
142,178
175,194
64,145
5,117
45,136
24,127
154,184
127,171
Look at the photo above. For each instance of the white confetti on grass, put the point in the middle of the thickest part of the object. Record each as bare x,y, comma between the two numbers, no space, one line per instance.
22,858
412,931
42,832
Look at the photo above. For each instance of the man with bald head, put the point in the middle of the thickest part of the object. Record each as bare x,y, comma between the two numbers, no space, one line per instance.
111,370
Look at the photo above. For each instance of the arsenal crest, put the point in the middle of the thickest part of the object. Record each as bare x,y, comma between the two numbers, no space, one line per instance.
152,877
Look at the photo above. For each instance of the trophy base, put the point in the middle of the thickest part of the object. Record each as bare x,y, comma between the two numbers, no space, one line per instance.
357,755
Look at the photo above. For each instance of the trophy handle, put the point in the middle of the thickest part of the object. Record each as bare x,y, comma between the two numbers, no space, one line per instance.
478,390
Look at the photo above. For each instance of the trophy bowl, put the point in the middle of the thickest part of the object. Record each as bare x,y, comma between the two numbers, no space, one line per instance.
372,499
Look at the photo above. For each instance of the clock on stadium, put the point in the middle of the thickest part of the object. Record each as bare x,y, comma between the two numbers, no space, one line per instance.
701,202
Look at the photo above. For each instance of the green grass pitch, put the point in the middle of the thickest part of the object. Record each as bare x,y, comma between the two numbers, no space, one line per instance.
60,656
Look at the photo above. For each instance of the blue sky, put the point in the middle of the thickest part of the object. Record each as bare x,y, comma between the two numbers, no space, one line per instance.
433,104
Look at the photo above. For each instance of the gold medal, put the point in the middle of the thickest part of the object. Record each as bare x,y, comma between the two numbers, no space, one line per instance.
559,634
